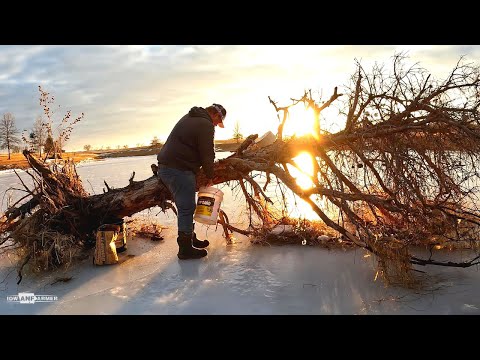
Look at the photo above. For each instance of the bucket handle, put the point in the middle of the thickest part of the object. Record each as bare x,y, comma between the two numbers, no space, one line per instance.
216,190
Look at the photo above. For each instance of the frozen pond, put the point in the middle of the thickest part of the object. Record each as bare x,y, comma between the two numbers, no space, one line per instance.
233,279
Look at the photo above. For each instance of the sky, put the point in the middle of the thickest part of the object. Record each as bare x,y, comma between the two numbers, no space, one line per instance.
130,93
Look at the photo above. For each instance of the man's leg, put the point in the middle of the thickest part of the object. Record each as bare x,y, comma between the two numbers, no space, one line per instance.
182,186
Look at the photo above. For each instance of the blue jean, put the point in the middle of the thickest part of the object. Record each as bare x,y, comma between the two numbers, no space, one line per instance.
181,184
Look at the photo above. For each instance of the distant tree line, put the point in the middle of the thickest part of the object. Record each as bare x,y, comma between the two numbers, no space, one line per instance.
154,143
37,139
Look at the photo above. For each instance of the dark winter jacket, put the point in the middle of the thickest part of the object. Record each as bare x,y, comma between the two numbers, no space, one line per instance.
190,144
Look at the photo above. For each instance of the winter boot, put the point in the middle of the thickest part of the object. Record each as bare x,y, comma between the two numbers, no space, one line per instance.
198,243
185,248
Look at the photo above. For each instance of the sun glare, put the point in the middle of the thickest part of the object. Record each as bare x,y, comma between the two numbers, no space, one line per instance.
304,162
299,208
303,176
300,121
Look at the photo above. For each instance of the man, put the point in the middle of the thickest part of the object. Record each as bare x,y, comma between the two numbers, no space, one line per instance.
189,147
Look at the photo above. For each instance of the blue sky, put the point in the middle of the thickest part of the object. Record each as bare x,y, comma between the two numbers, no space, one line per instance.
130,94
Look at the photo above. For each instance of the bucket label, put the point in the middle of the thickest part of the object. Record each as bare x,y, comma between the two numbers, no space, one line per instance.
205,205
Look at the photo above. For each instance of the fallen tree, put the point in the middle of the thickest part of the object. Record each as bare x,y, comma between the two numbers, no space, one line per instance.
403,172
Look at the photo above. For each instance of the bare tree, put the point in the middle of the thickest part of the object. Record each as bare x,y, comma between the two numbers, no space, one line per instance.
87,147
8,133
40,134
35,138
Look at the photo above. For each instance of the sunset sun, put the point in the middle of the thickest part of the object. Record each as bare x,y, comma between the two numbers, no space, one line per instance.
300,121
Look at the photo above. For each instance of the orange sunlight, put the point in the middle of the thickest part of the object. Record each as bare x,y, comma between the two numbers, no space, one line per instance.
300,121
298,207
303,176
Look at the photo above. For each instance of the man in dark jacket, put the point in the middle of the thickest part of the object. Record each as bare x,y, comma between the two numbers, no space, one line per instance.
189,147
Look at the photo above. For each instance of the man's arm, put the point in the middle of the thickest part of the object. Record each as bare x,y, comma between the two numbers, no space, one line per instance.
206,148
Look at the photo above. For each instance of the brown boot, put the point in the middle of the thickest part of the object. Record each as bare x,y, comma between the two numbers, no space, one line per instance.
185,248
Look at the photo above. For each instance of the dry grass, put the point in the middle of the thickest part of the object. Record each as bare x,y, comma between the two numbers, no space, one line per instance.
291,231
393,263
18,161
145,228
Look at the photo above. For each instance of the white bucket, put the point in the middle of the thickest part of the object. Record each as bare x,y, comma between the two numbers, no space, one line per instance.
267,139
208,205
